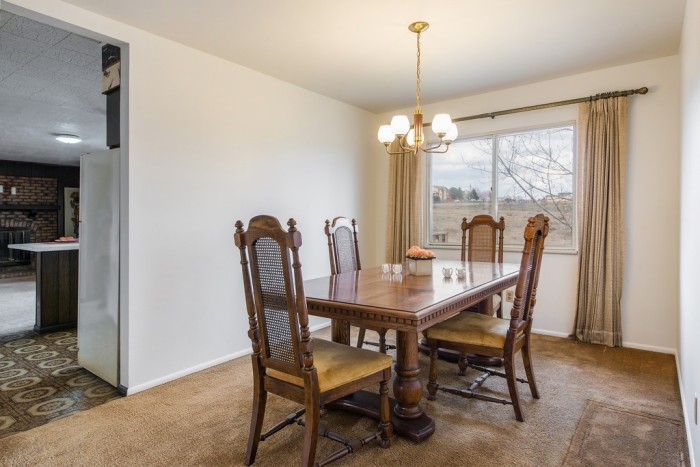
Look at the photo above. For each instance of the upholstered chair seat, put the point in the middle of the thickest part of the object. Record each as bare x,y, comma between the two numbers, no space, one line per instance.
473,329
337,365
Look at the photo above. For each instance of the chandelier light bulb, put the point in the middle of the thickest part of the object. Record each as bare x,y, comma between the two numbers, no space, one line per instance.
451,134
400,125
441,124
411,138
385,134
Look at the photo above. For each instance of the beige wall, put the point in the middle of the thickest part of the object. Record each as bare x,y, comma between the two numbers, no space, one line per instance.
210,142
650,320
690,223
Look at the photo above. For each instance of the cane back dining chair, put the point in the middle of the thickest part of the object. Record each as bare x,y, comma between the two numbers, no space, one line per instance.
482,240
494,337
286,360
344,255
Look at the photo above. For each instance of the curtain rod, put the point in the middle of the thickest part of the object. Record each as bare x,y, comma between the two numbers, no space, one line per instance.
604,95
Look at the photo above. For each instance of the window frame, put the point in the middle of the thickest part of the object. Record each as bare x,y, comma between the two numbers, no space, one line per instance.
428,184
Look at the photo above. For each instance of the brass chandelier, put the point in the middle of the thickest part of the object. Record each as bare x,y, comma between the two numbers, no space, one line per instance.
412,139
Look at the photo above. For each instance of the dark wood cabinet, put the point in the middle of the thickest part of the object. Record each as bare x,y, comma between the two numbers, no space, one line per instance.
56,290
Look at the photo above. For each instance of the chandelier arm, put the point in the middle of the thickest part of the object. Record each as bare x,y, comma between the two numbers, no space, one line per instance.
436,149
406,148
396,153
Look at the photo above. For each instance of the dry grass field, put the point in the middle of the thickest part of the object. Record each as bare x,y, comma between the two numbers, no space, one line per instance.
447,218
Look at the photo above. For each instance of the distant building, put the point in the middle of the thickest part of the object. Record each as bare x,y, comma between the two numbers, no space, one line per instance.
441,192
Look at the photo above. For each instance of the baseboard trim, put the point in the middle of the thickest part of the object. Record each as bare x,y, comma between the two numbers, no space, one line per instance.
686,413
194,369
544,332
630,345
651,348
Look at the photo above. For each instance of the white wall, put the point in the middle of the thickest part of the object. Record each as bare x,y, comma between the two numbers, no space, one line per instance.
210,142
690,223
649,302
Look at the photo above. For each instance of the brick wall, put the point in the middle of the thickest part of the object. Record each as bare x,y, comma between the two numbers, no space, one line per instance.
30,190
43,225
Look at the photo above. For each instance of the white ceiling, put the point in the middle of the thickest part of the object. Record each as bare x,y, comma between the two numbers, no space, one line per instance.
49,84
362,53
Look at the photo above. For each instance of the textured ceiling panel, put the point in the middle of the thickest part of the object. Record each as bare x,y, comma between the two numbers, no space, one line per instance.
18,50
49,84
70,56
29,29
5,16
80,44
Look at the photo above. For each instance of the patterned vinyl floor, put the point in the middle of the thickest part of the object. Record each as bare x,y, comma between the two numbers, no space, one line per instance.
40,380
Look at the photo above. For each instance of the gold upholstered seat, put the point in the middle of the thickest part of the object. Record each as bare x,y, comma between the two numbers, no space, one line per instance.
335,366
474,329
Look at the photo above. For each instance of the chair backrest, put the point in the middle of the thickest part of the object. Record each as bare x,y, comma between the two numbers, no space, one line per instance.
526,289
483,243
277,314
343,250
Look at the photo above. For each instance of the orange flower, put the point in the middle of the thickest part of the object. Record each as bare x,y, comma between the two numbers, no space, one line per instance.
418,252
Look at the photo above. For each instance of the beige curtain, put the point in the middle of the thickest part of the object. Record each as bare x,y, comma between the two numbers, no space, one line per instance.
602,155
404,210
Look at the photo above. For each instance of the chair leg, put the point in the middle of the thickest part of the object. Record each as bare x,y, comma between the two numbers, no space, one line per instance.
257,417
509,367
312,422
361,337
382,340
462,363
527,363
432,374
385,426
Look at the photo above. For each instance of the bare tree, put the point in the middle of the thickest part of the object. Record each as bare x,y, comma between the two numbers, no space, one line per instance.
537,166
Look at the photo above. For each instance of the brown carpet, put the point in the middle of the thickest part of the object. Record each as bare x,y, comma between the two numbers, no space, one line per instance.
606,431
203,419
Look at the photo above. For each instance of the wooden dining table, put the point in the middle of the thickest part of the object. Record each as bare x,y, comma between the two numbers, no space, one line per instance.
409,304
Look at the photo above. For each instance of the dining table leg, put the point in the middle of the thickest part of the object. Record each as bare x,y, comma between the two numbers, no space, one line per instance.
409,418
340,331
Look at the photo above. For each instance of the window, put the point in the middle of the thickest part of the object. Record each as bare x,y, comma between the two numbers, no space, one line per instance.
514,175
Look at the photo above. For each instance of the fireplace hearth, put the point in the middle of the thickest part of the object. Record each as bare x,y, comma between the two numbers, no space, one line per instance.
13,235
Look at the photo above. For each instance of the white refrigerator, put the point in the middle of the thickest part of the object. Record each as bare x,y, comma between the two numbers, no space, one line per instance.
98,285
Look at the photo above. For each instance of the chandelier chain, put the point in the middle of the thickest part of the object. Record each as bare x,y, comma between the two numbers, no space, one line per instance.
418,73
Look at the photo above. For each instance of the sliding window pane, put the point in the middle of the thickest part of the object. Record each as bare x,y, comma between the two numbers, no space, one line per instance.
461,187
535,174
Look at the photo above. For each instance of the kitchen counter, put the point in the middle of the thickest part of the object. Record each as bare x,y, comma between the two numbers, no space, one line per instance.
56,284
46,246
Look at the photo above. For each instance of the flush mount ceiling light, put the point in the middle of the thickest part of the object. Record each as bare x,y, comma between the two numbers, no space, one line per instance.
412,139
69,139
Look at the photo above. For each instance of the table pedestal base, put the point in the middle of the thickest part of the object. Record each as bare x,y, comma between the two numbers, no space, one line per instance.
367,403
